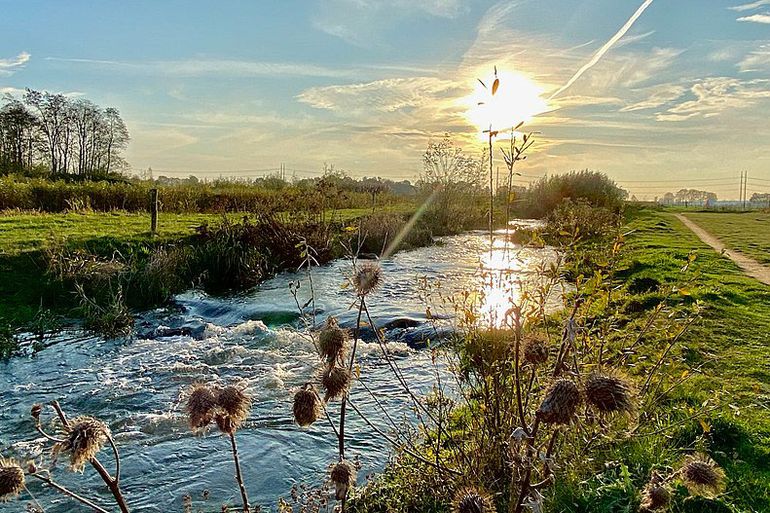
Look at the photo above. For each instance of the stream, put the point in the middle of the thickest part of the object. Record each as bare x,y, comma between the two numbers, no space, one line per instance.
255,340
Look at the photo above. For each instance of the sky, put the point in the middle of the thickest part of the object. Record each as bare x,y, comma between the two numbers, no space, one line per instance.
659,94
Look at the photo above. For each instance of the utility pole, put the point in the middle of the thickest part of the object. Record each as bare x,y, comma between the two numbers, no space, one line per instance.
745,186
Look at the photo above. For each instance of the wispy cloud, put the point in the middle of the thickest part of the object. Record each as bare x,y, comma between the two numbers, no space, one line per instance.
605,48
757,18
359,22
202,67
756,60
658,96
12,65
716,95
750,6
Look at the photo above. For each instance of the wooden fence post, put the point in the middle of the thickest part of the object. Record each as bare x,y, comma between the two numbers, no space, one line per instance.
153,210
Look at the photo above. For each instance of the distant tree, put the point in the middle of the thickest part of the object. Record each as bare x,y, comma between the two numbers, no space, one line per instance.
60,134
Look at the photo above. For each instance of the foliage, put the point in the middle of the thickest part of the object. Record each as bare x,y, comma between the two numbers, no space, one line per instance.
61,135
548,193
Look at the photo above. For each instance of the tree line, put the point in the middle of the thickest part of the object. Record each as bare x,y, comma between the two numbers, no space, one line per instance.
54,134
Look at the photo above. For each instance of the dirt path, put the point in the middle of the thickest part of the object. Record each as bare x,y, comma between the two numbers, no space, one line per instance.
749,265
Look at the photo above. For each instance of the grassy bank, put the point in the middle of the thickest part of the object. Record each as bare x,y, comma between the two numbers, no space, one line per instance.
729,346
26,287
748,232
721,359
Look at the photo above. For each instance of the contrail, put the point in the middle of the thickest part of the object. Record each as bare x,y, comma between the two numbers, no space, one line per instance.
600,53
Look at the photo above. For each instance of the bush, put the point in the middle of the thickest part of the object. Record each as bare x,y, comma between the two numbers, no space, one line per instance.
593,187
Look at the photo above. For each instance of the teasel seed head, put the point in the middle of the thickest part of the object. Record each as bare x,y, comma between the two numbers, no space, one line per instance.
331,340
560,403
336,381
655,496
35,411
702,476
343,475
472,500
11,479
367,278
201,406
610,393
234,406
307,406
536,350
83,439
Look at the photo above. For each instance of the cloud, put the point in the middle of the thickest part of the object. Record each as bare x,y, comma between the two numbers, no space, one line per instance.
203,67
10,66
389,95
658,96
361,22
756,18
756,59
750,6
605,48
716,95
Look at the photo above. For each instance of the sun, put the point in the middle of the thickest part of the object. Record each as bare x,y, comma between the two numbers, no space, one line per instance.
518,98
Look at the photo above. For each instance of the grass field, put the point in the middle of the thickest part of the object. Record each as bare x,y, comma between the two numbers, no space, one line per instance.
733,340
24,285
748,232
22,232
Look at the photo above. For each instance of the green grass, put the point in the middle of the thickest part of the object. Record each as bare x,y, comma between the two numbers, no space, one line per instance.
748,232
24,287
735,334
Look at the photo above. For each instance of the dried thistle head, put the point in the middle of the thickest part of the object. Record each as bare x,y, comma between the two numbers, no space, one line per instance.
11,479
83,439
234,406
536,350
472,500
343,475
201,406
331,340
560,403
702,476
367,278
655,496
307,406
610,393
336,381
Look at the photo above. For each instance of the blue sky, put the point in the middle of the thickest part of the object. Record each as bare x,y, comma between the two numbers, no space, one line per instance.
236,87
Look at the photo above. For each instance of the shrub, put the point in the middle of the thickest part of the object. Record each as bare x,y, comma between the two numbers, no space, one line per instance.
595,188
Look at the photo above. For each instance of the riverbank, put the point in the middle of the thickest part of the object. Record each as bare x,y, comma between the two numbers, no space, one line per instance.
31,295
718,402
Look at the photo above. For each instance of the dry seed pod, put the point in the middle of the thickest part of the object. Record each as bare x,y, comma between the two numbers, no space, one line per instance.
307,406
610,393
702,476
343,475
11,479
331,340
560,403
234,406
655,495
472,500
536,350
83,439
335,381
367,278
201,406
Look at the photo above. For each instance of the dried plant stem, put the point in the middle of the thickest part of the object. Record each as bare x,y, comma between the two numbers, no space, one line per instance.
396,444
525,483
238,475
50,482
341,432
112,483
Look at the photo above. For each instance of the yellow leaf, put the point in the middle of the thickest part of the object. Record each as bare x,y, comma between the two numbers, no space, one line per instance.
495,85
705,425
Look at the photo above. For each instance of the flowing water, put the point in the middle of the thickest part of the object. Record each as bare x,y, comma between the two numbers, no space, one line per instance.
255,340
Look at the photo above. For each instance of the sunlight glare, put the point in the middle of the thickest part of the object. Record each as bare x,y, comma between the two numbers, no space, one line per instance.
517,99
